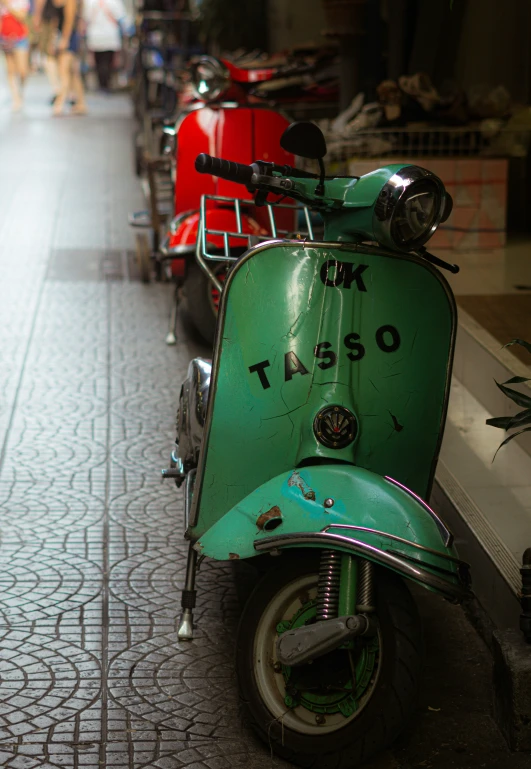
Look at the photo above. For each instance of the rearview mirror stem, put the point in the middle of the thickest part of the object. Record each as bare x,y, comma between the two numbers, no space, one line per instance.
320,189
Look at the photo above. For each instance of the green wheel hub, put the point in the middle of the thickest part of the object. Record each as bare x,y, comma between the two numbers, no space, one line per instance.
334,683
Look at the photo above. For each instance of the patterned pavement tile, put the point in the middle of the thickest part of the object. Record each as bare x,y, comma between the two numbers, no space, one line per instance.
43,509
182,687
152,580
37,582
141,450
43,681
153,508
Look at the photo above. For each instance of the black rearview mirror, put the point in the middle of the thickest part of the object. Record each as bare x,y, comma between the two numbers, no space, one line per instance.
304,139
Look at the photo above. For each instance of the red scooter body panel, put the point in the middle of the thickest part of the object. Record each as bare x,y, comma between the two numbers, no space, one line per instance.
241,134
268,129
196,134
235,141
249,75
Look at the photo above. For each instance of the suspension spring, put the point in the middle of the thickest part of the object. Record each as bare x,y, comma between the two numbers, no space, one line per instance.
366,586
328,587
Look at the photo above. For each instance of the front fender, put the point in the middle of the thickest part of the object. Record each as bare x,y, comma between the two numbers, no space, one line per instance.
345,508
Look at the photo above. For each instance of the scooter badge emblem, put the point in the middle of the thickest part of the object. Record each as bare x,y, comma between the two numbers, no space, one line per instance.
335,427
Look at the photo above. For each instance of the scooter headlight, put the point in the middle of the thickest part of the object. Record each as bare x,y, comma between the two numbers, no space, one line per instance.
210,78
409,208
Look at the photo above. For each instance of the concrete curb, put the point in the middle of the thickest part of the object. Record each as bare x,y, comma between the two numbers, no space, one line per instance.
512,688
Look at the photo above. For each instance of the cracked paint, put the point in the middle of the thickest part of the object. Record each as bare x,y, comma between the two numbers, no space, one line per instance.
396,424
296,480
270,519
292,332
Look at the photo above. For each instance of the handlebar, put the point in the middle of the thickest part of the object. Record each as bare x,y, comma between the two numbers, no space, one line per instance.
237,172
225,169
242,174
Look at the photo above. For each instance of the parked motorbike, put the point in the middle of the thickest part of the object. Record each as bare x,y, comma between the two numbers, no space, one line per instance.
226,123
309,447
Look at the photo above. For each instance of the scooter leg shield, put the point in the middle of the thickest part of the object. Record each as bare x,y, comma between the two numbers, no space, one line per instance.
346,508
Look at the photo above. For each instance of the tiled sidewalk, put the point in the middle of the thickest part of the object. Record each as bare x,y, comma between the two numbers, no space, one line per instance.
91,549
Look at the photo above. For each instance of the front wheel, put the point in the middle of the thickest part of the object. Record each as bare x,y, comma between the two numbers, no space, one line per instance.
344,707
203,299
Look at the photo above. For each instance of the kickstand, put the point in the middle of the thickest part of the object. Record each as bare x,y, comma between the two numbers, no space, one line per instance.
171,336
186,624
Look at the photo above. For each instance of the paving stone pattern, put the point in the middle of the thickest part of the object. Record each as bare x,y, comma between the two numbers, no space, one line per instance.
91,551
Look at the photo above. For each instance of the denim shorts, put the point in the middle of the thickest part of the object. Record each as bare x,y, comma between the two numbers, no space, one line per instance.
73,45
7,44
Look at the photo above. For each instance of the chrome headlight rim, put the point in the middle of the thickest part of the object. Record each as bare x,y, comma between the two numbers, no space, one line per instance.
220,74
393,195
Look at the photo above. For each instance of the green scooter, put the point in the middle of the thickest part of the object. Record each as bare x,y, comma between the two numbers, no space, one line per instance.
309,446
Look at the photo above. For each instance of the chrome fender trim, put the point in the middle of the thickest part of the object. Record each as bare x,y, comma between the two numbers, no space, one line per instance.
188,494
444,531
454,592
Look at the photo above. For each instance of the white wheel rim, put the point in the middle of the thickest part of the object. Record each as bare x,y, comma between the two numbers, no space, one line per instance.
271,684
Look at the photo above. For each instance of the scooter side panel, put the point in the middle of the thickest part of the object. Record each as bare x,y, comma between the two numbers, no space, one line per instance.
241,134
268,127
384,515
303,328
196,134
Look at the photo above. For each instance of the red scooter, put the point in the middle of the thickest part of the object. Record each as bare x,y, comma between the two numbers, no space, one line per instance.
227,123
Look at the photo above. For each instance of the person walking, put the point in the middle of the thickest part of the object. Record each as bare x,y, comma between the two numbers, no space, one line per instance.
105,20
14,42
67,47
44,22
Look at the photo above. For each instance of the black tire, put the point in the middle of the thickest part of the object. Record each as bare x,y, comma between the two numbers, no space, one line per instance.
200,309
393,698
143,257
247,572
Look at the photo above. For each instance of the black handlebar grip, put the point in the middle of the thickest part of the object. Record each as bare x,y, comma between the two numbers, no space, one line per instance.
225,169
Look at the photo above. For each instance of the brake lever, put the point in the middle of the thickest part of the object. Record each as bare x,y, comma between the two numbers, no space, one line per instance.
453,268
260,199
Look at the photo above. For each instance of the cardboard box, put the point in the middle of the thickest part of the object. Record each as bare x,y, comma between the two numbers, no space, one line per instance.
478,187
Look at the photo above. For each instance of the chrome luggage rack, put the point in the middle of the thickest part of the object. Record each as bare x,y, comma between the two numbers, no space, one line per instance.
204,255
248,241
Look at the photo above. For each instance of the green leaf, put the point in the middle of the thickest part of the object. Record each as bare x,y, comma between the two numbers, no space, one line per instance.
507,423
517,380
521,342
501,422
506,441
519,398
520,419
